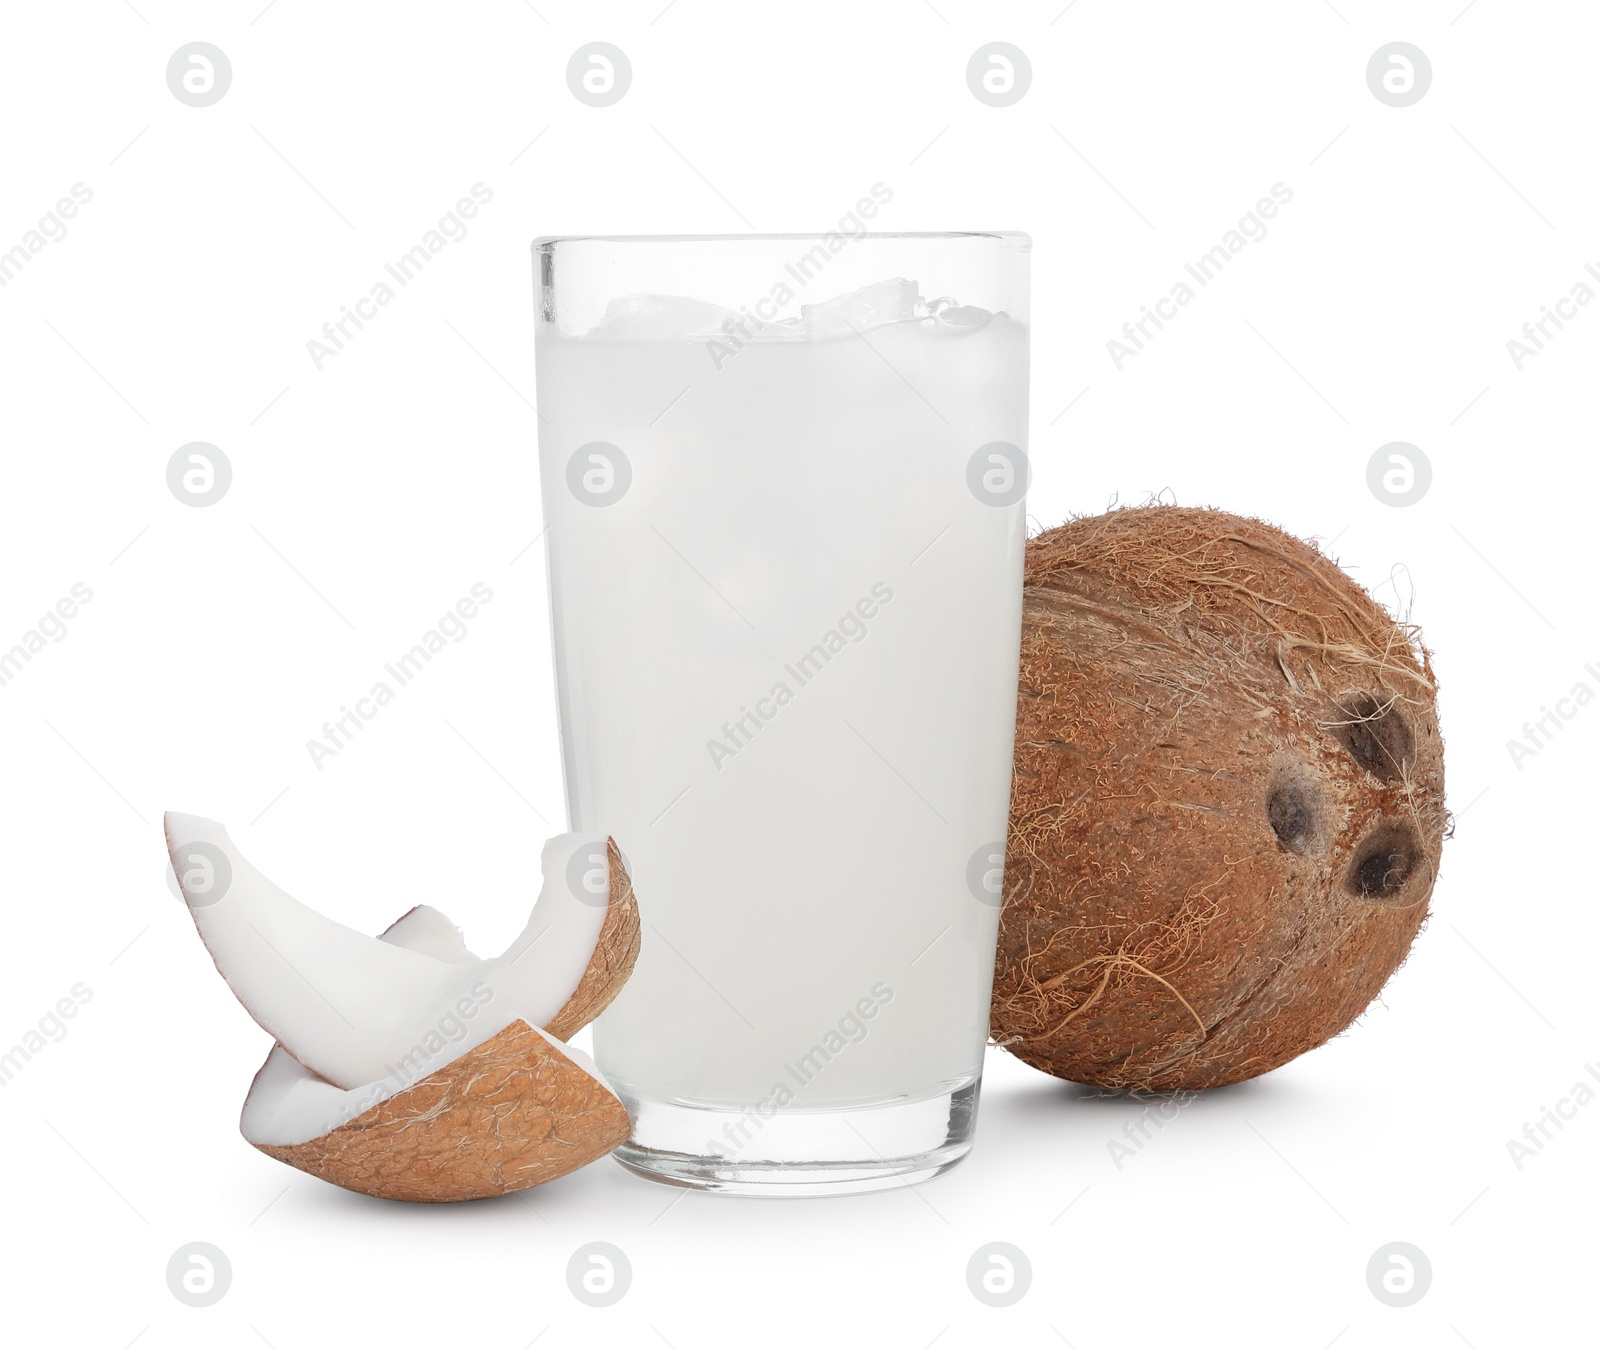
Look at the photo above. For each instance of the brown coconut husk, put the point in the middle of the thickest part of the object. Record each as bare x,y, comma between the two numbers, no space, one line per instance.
512,1113
613,958
1228,802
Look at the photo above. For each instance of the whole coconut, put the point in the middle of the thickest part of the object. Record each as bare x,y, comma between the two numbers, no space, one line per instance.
1228,802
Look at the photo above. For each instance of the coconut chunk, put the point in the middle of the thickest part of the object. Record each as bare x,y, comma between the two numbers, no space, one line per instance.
357,1010
508,1114
515,1111
613,956
288,1105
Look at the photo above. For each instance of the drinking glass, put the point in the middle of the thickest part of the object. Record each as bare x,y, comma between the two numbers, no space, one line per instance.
783,480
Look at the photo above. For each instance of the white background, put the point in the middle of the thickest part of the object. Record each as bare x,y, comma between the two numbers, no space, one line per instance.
367,497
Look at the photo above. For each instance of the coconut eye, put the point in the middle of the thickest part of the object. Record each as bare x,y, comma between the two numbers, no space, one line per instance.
1376,733
1294,807
1383,863
1292,817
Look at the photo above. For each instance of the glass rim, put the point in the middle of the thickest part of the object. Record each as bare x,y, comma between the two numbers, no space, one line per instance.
1018,239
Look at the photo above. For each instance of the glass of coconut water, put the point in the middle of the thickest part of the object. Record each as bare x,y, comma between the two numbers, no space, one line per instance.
783,481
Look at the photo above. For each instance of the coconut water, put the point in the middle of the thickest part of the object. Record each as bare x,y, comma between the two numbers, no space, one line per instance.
786,585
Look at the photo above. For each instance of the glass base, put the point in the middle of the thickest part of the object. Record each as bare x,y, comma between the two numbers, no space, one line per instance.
799,1153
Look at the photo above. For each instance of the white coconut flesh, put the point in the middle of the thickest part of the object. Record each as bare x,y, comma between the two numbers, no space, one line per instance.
360,1011
288,1104
424,929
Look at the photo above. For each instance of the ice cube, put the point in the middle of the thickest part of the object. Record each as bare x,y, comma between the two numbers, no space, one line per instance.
655,318
893,301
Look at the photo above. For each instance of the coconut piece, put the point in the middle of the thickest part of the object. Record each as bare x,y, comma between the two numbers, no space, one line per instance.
612,959
1227,807
289,1104
358,1010
515,1111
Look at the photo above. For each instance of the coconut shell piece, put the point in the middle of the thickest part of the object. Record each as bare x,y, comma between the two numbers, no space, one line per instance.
514,1112
614,955
1227,806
